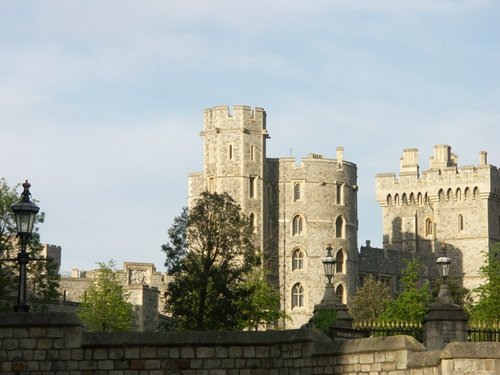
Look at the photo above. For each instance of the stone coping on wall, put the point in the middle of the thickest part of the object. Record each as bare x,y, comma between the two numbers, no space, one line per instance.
35,319
489,350
209,338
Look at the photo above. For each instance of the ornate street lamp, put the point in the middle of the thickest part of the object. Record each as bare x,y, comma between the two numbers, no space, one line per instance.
25,212
329,263
443,265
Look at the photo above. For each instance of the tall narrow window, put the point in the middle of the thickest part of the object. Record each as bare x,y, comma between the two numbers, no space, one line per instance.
211,185
340,193
251,187
297,259
339,227
428,227
340,261
297,296
230,152
340,293
252,220
296,191
252,153
297,225
460,223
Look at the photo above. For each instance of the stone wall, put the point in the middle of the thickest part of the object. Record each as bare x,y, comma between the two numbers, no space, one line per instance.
55,344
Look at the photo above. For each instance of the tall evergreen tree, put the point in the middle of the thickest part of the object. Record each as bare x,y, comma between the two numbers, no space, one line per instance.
211,253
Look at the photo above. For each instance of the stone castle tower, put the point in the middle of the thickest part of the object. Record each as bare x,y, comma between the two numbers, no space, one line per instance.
296,209
445,204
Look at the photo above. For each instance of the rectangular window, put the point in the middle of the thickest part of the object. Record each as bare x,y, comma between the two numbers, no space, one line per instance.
252,153
211,185
340,193
251,187
230,152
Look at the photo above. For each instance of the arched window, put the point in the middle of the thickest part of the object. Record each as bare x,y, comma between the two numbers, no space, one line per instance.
412,198
389,200
458,194
466,193
449,194
428,227
297,225
297,296
297,259
339,227
296,191
396,200
475,193
460,223
419,199
404,200
441,194
340,261
339,292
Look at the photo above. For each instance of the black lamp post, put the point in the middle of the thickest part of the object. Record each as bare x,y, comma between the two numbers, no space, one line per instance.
443,265
330,300
25,212
329,264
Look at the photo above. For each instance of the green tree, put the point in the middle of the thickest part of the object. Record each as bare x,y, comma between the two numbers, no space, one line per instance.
211,253
105,307
262,307
411,304
43,278
487,309
370,300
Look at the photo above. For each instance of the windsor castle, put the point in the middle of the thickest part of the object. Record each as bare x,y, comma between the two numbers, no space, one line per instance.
297,209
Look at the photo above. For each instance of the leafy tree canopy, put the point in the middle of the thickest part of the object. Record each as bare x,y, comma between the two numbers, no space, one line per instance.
43,278
105,306
370,300
487,309
212,255
411,304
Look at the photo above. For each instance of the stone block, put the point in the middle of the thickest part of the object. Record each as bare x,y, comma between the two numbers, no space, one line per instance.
366,358
235,351
27,343
211,363
10,344
249,352
44,344
19,332
6,332
55,332
227,363
38,332
187,352
148,352
116,353
132,353
205,352
105,365
221,352
76,354
39,355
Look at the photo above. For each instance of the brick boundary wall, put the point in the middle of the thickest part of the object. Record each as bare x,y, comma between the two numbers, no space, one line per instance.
54,343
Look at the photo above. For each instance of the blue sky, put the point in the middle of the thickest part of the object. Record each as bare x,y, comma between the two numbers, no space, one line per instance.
101,102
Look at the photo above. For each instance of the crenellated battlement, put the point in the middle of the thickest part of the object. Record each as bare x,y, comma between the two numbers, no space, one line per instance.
443,174
243,117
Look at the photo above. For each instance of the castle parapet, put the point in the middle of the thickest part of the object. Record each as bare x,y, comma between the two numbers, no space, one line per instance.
221,117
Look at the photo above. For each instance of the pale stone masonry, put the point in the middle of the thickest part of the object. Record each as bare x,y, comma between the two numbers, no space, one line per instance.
296,209
43,344
458,206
